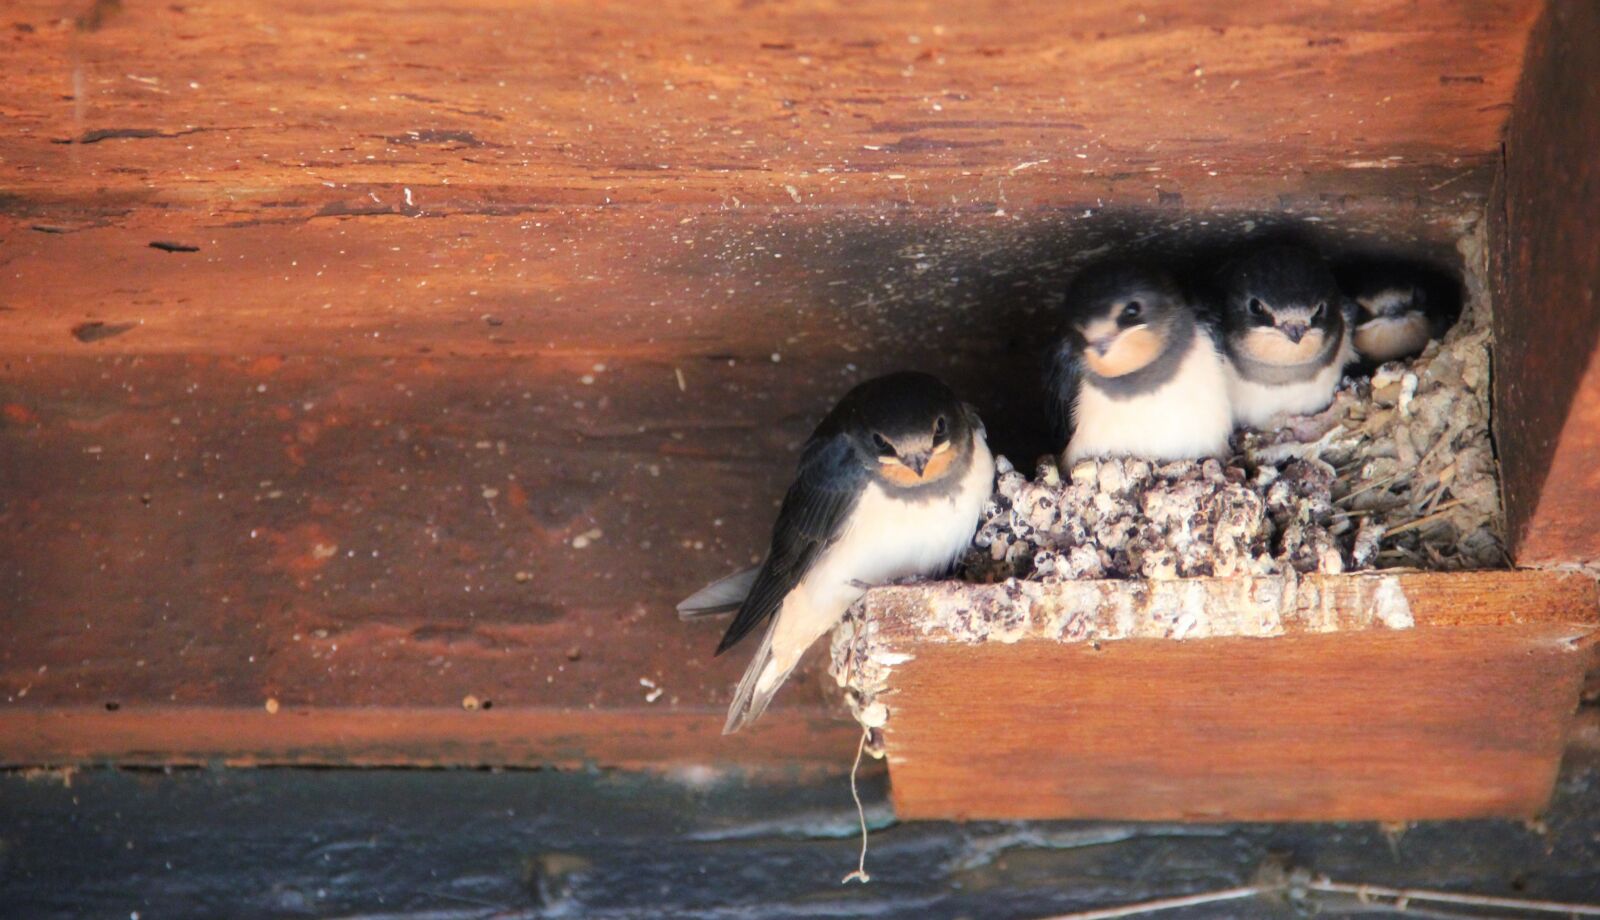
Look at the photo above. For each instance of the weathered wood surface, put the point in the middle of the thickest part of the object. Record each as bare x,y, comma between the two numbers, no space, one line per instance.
376,544
619,283
396,173
1547,268
198,513
262,105
1245,607
1463,712
389,234
461,845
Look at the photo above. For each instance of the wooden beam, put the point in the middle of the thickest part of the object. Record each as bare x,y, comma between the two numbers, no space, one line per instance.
1366,697
636,737
172,105
369,543
1547,317
645,283
632,178
313,374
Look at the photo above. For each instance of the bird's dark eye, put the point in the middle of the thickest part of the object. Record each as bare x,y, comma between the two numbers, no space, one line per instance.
1320,313
1257,308
1131,312
885,449
941,432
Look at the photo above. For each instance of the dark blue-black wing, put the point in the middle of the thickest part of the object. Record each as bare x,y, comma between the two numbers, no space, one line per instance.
1350,310
826,488
1061,389
1209,326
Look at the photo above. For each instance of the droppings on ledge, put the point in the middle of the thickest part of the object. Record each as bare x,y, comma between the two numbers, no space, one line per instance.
862,667
870,643
1261,606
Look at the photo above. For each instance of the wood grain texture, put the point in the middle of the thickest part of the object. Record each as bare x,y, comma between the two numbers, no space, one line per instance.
242,177
1464,714
254,103
1547,268
637,737
569,282
320,324
361,538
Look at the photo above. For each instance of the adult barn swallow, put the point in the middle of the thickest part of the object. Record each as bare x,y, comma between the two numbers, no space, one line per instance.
1398,308
889,485
1285,332
1139,372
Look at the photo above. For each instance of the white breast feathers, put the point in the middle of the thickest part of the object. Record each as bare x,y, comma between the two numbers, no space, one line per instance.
1185,418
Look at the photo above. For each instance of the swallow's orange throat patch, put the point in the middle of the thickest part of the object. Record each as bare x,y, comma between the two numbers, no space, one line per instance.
1386,339
1269,346
938,467
1133,350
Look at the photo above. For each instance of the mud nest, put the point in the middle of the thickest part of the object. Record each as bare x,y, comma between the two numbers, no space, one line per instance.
1397,472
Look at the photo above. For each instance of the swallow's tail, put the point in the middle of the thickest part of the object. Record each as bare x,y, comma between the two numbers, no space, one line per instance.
758,686
721,596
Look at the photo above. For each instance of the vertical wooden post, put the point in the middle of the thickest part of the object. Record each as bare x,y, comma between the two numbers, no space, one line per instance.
1546,268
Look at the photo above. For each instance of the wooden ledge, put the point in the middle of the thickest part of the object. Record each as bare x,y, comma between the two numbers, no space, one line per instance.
1260,607
420,736
1361,697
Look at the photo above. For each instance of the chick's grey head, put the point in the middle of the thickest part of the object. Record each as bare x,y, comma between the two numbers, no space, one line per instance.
1121,317
1281,306
1390,301
908,427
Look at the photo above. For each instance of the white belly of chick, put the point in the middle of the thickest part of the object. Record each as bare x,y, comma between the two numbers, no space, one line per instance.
886,539
1257,404
1184,419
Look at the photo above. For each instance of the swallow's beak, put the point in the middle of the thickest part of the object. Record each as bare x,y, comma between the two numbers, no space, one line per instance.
917,462
1295,331
1102,345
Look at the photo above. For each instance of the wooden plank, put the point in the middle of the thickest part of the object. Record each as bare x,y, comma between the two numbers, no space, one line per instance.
372,541
633,736
1547,272
352,199
683,101
640,282
449,216
1394,697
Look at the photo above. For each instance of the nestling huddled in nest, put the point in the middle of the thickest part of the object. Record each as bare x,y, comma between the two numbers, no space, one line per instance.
1154,386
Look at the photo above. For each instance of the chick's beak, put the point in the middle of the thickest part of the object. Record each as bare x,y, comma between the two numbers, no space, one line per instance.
1102,345
917,462
1295,331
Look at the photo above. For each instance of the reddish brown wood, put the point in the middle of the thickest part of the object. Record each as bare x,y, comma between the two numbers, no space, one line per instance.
259,104
1547,322
629,737
590,175
344,246
360,538
574,285
1464,714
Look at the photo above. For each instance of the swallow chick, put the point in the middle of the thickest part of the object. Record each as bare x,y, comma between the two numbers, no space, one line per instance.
1139,372
890,485
1286,334
1398,310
